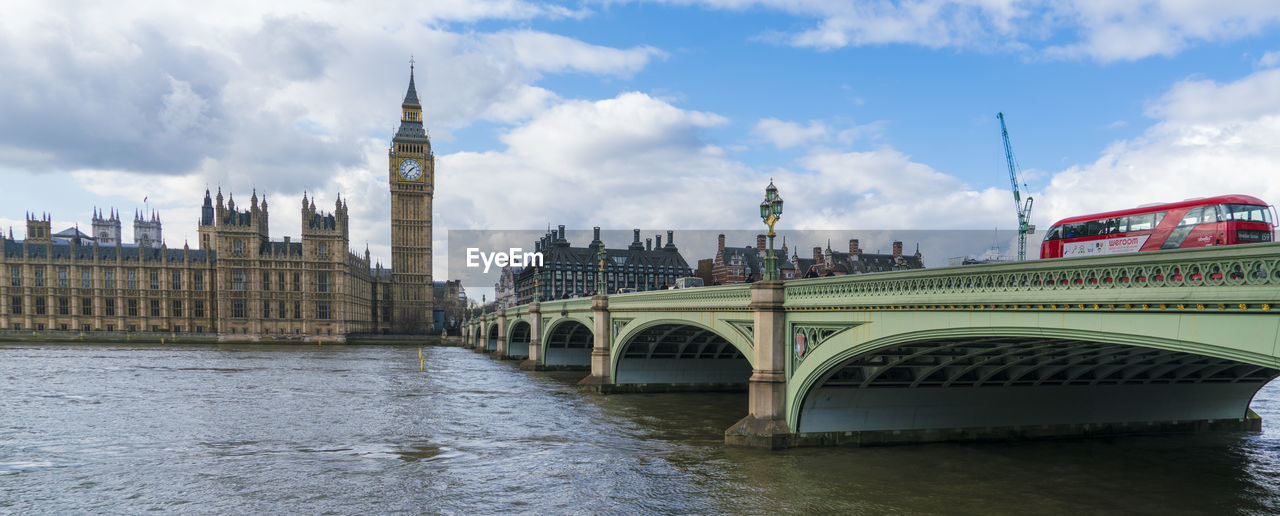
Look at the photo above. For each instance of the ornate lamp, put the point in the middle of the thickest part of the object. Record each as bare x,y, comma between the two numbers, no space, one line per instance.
770,212
600,283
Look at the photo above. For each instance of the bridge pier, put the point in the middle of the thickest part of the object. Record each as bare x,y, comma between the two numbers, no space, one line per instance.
600,380
534,362
766,423
501,352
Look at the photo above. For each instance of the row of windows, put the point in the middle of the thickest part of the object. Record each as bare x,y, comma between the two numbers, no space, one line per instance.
608,266
239,281
131,309
239,310
1149,221
610,278
237,248
110,327
108,278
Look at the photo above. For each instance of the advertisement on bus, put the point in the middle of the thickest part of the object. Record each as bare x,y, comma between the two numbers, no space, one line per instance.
1109,246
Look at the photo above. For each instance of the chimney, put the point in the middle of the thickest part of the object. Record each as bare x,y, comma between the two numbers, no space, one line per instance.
897,249
853,246
561,237
817,253
671,239
648,243
659,237
596,238
760,243
720,242
635,241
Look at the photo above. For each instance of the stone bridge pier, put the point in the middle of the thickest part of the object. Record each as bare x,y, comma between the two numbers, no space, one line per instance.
766,423
600,354
534,359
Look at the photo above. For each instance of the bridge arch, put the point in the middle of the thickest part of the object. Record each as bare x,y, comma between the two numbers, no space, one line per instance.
678,351
491,336
1042,381
567,343
518,337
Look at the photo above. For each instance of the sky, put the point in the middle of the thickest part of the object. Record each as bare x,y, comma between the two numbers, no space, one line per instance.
653,114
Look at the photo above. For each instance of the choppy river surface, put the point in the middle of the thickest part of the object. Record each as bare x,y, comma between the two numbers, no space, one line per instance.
266,429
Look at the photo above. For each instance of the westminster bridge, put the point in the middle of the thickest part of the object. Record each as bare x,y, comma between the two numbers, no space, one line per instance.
1159,341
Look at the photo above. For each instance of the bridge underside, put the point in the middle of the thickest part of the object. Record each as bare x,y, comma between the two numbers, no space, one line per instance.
518,346
491,341
976,388
679,356
569,346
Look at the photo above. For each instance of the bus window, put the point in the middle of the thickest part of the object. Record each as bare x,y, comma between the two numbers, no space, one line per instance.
1191,218
1246,213
1211,214
1055,233
1143,222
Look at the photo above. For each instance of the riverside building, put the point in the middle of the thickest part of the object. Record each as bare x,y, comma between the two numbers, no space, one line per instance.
571,271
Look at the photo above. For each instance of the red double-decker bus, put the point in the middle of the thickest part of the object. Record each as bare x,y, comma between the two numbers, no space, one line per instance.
1222,220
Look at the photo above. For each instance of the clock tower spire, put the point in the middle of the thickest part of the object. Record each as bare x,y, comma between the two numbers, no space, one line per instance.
411,174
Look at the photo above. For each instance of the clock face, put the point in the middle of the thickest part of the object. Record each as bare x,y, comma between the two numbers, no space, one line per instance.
410,170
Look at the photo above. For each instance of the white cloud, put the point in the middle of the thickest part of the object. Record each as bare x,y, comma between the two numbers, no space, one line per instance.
543,52
1269,59
884,188
183,108
1103,30
609,162
1210,139
138,99
784,135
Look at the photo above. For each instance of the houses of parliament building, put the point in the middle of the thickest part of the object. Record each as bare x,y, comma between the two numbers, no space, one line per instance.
238,283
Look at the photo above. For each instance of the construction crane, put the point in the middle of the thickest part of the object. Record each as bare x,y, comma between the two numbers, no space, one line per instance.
1023,210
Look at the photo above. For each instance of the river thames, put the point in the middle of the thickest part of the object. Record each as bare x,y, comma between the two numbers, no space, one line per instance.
343,429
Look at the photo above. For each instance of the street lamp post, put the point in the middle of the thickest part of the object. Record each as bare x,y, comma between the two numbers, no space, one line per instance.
770,212
600,284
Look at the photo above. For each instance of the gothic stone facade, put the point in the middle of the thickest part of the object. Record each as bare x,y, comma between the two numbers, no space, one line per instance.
411,174
238,285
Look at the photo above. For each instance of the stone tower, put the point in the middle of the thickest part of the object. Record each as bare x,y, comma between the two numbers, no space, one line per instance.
39,229
411,174
146,232
106,229
207,217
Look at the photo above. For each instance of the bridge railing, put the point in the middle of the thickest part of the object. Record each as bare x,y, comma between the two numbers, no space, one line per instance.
727,296
1228,274
559,305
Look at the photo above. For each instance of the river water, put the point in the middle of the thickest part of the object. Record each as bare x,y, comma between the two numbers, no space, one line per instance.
269,429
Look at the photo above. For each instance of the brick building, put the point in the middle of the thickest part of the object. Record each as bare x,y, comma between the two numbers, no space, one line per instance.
838,263
746,264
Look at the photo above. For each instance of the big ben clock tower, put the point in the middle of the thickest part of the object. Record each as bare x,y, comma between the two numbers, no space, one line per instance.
412,179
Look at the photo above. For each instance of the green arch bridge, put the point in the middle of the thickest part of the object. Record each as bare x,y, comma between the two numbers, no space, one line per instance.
1161,341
